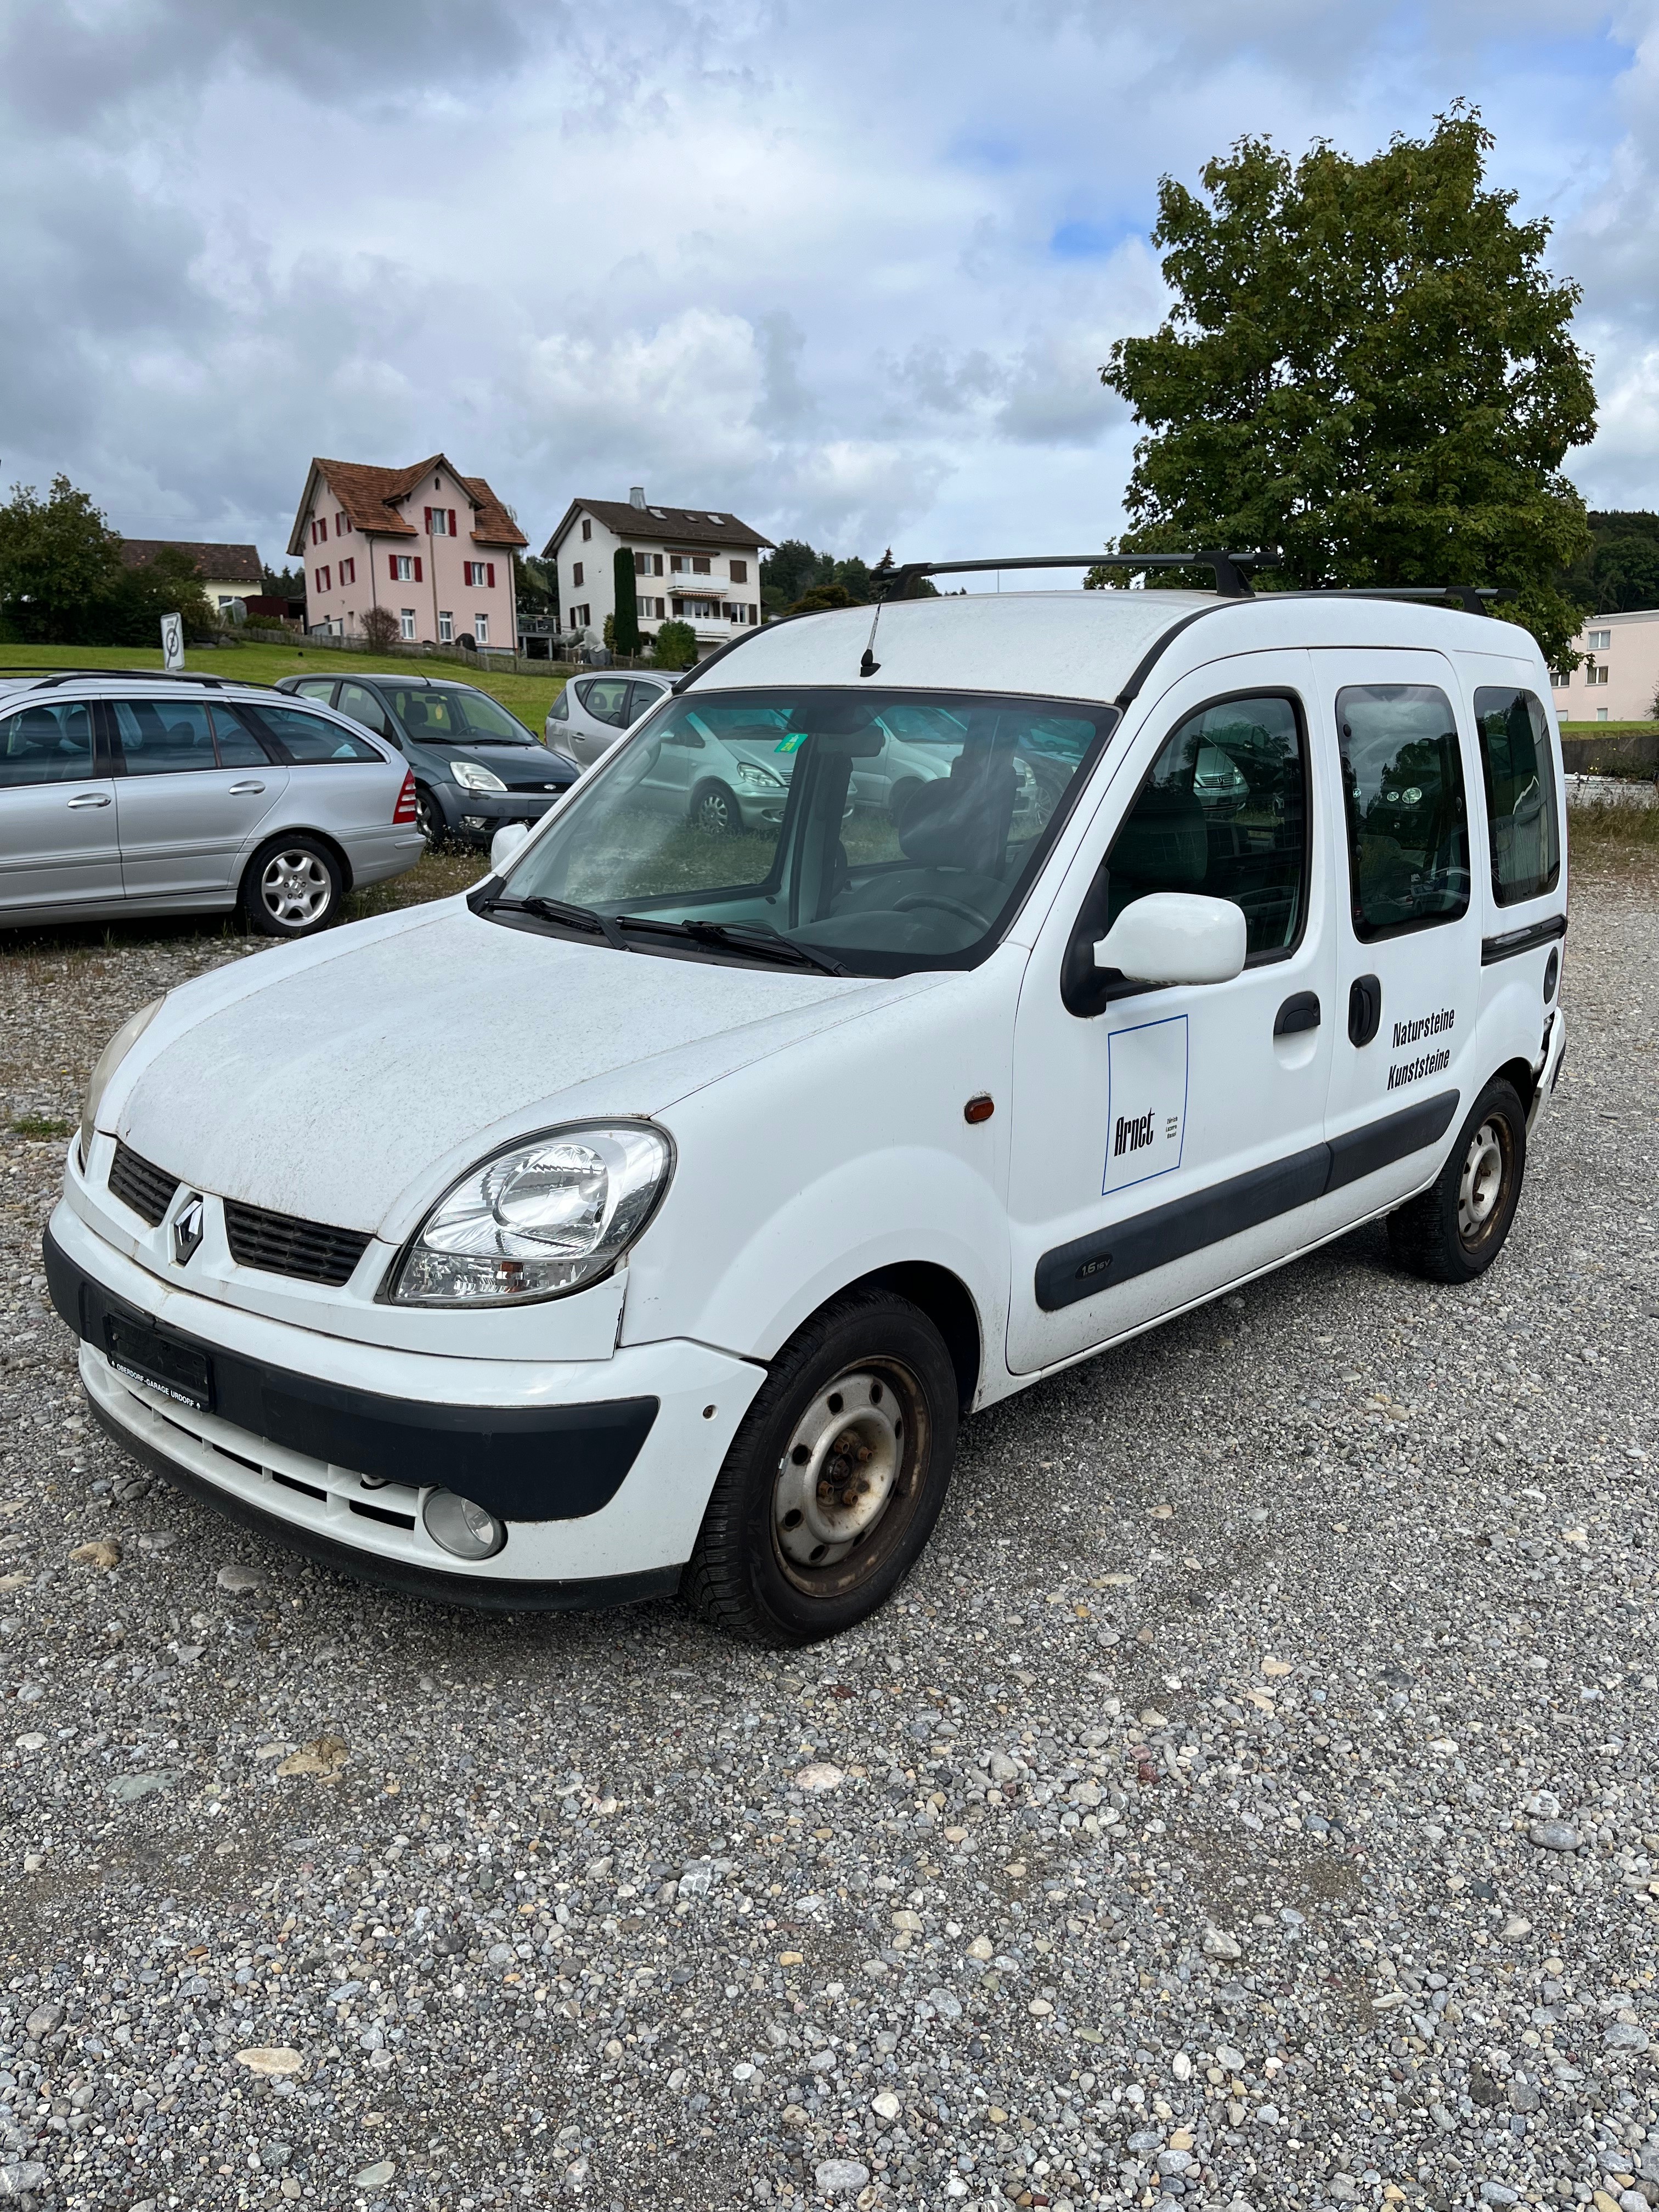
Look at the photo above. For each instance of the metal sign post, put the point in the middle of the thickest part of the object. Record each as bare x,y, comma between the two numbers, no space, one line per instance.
173,644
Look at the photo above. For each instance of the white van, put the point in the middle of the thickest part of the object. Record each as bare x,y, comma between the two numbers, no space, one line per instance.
652,1216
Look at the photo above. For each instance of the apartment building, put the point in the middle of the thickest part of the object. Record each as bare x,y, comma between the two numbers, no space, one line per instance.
691,565
1619,675
433,545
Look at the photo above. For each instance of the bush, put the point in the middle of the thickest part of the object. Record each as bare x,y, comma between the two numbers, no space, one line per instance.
676,645
381,628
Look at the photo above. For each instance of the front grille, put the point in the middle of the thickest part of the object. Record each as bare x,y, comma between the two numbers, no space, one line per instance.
148,1190
280,1245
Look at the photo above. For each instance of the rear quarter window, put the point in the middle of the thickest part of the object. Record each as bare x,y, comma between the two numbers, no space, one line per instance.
1520,780
306,740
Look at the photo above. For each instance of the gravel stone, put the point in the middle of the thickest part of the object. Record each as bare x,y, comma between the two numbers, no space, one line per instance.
542,1917
1553,1836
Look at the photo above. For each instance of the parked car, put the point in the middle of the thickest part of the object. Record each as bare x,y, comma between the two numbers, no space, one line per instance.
592,711
731,1175
124,794
475,766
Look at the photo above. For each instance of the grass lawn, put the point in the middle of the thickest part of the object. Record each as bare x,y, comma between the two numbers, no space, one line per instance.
528,697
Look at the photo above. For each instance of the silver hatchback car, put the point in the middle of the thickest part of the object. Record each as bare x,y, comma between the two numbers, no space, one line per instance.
144,793
592,712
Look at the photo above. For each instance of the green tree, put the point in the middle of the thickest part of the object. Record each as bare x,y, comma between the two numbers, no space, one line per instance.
676,645
166,583
1368,366
1619,574
59,562
626,630
821,599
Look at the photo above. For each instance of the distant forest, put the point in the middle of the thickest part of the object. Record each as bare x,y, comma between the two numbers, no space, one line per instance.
1620,574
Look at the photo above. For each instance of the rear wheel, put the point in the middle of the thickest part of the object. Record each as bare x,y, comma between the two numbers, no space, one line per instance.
714,811
835,1477
1457,1227
292,887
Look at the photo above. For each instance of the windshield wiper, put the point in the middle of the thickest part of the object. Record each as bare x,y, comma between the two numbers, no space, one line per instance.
758,937
562,911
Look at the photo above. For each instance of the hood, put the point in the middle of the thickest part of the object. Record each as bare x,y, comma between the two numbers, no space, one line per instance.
330,1088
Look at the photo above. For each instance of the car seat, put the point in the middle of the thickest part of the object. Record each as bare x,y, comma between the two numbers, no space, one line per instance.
962,820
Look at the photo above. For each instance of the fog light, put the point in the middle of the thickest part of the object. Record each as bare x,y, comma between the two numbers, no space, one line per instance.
461,1527
475,821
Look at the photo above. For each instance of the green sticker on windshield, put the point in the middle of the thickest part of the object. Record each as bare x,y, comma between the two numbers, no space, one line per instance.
792,743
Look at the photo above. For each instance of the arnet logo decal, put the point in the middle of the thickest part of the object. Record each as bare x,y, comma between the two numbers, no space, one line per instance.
1145,1102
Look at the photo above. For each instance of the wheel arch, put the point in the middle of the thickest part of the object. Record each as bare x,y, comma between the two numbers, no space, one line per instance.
948,1303
342,858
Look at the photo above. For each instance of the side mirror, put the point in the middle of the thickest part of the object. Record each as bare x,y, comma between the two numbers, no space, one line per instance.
505,843
1175,937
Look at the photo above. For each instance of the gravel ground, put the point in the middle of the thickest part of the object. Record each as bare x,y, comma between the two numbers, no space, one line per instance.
1250,1801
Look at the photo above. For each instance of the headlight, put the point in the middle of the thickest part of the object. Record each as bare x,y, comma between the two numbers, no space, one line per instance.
748,772
471,777
108,1061
549,1214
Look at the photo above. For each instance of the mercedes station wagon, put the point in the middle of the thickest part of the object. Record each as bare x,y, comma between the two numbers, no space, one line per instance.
736,1165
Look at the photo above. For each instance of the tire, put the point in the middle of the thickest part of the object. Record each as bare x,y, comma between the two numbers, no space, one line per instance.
715,811
293,887
869,1374
1457,1227
429,820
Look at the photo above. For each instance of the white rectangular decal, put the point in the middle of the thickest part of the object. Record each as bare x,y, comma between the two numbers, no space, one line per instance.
1145,1101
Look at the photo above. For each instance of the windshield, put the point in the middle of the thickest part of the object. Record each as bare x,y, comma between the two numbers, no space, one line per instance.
880,832
458,716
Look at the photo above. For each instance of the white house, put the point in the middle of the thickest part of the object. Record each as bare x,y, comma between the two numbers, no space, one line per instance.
699,565
1618,676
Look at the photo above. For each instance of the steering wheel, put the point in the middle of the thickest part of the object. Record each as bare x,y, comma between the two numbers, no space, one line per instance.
958,907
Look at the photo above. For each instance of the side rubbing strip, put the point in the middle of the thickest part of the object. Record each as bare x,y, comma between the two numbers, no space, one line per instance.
1379,1144
1097,1262
1512,941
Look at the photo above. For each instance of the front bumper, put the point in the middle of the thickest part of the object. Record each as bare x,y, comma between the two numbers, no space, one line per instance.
474,817
600,1469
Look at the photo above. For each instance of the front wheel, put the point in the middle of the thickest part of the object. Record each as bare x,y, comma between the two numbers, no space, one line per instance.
429,820
714,811
1456,1228
835,1477
292,887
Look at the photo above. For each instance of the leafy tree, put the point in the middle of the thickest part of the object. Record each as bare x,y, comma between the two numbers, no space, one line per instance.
792,568
676,645
821,599
1619,575
533,586
625,627
381,628
1368,366
61,581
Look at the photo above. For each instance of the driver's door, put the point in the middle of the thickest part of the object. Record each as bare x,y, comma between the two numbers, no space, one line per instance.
1163,1145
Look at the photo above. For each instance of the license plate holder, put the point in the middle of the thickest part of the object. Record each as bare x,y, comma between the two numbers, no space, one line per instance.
178,1371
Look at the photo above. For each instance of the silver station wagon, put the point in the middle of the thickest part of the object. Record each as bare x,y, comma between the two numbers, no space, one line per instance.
126,794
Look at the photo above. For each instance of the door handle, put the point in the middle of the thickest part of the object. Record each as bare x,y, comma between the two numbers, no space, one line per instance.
1299,1012
240,788
91,799
1364,1009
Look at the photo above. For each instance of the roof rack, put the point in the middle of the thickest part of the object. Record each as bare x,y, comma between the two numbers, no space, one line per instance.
1228,569
49,678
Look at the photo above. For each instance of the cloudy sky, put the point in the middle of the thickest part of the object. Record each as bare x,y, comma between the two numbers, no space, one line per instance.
850,271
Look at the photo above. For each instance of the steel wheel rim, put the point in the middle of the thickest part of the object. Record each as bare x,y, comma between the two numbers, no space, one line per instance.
849,1478
1484,1179
296,888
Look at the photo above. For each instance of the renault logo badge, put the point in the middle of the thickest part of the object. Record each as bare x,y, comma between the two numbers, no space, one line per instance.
187,1230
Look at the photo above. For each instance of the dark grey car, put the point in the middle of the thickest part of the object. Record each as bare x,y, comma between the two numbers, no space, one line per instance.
475,767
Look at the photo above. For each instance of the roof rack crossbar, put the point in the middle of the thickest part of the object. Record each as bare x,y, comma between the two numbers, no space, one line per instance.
1474,597
1228,569
49,678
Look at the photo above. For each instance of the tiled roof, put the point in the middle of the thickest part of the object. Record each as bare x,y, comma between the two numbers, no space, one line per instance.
369,497
224,564
660,525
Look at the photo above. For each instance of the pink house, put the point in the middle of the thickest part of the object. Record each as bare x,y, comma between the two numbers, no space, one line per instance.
433,545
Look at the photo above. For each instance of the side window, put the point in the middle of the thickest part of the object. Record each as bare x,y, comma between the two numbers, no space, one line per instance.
1408,824
1520,778
641,699
316,687
164,737
606,700
363,706
307,740
559,710
238,746
1225,812
46,745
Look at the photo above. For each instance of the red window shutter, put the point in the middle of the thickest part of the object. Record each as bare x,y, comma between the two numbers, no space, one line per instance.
417,567
429,522
391,566
489,574
452,522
